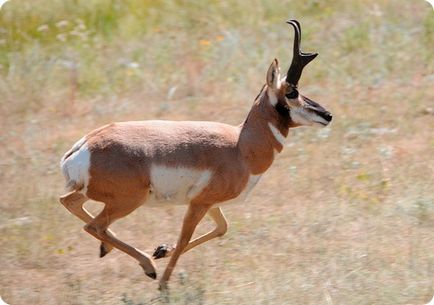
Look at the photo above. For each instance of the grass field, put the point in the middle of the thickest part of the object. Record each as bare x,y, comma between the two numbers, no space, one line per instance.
344,216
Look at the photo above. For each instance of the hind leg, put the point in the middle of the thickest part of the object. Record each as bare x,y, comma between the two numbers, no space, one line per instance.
98,227
74,201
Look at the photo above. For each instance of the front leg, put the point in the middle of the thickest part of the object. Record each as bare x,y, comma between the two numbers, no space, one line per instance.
216,214
193,216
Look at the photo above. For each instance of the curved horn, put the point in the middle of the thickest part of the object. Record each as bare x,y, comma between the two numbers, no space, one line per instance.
299,58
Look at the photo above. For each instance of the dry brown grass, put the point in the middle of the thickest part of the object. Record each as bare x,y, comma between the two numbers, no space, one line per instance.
344,216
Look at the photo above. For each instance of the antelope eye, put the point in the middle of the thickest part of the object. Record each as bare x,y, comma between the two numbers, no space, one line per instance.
293,94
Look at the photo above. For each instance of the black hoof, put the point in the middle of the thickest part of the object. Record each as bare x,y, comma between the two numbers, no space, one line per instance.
161,251
152,275
102,251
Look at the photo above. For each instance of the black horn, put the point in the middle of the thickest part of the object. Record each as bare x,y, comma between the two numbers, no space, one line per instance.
299,59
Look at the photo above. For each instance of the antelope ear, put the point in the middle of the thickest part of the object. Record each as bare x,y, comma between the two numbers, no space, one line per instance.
273,75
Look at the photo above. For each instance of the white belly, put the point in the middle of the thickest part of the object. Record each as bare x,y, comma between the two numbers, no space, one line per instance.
176,185
179,185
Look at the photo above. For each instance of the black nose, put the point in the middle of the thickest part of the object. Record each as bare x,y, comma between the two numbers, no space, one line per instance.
325,115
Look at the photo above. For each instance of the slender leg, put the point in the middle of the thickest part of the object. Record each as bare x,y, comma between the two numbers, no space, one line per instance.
74,201
222,226
193,216
98,228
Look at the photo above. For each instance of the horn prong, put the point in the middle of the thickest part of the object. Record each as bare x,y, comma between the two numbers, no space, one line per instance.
299,59
297,36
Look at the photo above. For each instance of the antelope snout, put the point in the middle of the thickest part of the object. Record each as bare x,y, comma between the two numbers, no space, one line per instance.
322,117
327,116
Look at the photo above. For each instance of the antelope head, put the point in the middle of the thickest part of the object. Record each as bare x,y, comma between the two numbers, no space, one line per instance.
300,110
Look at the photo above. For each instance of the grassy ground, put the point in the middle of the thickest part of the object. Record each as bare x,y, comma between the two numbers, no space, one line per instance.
344,216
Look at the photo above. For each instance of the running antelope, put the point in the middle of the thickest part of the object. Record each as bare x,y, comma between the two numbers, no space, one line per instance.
199,164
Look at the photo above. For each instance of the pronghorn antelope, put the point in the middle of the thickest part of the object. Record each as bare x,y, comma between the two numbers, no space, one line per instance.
199,164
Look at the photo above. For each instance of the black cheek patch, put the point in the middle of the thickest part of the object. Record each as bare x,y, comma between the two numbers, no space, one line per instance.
283,110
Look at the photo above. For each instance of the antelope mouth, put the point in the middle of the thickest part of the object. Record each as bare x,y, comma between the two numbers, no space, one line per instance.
321,123
324,118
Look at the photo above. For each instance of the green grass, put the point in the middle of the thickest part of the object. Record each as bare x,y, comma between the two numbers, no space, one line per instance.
344,216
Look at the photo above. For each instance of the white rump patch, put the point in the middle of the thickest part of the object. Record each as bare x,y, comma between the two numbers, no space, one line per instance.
277,134
430,302
177,184
1,301
75,147
75,167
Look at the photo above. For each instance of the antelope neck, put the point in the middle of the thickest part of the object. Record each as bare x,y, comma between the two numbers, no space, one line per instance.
261,135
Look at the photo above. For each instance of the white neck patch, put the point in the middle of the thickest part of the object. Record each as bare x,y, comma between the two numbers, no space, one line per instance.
277,134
